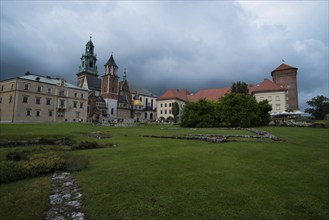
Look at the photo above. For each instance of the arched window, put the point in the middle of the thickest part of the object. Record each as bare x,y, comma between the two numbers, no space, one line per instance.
112,111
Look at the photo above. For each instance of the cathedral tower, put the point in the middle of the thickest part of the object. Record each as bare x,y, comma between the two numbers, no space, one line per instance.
110,84
88,65
286,77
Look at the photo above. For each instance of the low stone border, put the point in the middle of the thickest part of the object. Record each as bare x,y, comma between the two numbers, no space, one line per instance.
220,138
66,199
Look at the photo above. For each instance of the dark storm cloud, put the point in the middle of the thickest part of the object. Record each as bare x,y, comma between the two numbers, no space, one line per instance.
193,45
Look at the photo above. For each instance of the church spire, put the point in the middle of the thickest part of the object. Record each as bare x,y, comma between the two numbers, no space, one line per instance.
88,59
124,75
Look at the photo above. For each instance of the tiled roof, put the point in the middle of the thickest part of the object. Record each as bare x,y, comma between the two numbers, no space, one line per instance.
283,67
209,94
173,94
265,86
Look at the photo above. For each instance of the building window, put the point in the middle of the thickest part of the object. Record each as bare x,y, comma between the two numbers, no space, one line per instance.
82,96
61,92
38,113
90,64
12,86
112,111
169,111
49,90
75,95
60,114
48,101
81,104
75,104
25,99
26,87
0,99
1,88
161,105
39,89
261,98
10,99
77,114
278,107
269,98
165,104
169,104
145,115
140,98
62,103
165,111
112,90
37,100
277,98
28,112
50,112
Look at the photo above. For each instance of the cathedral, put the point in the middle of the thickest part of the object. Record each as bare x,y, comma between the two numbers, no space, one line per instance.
111,99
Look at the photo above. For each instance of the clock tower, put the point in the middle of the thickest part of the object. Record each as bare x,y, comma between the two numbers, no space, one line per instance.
88,64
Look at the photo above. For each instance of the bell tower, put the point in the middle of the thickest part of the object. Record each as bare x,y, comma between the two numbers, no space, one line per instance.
88,63
110,86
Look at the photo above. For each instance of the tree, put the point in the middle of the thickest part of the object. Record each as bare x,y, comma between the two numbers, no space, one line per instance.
239,110
320,107
263,112
202,113
175,110
240,87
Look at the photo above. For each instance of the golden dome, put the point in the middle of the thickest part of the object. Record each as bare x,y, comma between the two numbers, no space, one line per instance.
137,102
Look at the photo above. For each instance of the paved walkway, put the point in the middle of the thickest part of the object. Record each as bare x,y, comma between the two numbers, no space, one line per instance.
66,199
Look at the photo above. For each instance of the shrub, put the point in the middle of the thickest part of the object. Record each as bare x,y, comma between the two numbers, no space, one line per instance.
22,164
56,141
86,145
16,155
10,171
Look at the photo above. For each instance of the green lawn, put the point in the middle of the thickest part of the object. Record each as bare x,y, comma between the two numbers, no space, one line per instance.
150,178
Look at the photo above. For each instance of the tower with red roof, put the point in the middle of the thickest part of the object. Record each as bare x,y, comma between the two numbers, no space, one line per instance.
286,77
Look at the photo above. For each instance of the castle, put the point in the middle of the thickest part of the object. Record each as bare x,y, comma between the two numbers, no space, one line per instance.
106,99
110,99
281,93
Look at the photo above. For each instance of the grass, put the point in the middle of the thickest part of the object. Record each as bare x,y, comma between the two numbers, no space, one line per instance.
149,178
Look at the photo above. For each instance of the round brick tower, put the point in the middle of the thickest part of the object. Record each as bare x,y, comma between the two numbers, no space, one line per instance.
286,77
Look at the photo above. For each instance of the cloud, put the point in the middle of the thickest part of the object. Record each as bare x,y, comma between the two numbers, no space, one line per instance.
193,45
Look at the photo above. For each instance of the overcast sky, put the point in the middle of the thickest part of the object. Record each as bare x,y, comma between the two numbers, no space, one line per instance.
170,44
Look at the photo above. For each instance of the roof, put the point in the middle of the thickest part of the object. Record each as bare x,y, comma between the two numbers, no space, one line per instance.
123,99
284,66
173,94
47,79
94,83
209,94
111,62
141,91
265,86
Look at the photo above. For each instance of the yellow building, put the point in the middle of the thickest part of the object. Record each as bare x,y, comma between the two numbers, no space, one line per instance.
34,98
